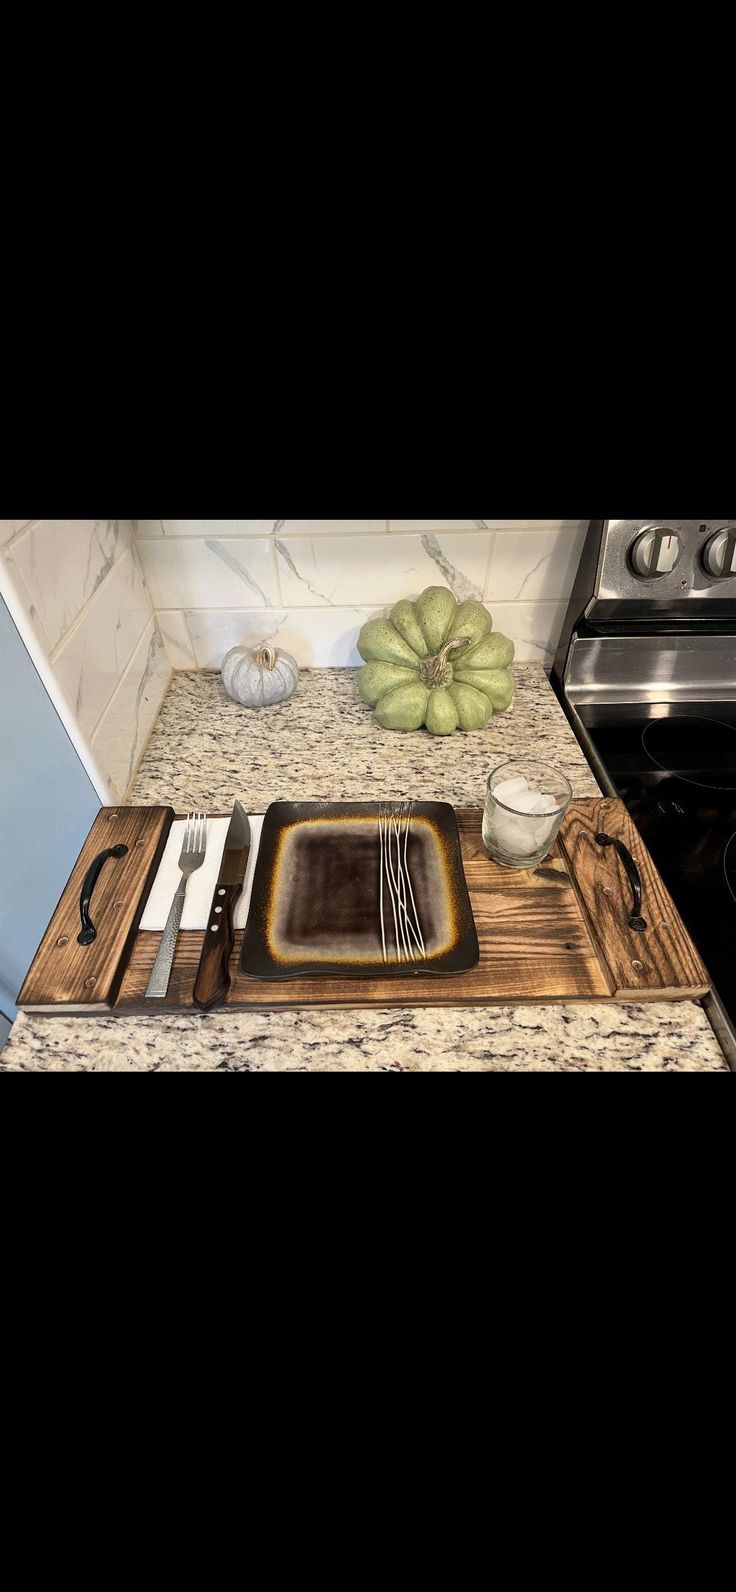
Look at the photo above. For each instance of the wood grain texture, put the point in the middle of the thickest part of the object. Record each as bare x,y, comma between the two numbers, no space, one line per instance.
660,964
535,946
66,977
558,934
213,978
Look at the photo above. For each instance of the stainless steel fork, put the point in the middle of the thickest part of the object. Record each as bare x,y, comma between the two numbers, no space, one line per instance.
192,856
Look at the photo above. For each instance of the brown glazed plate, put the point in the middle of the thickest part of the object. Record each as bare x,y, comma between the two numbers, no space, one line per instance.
359,890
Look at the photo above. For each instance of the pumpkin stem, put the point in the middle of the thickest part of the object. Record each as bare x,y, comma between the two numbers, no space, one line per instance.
265,657
438,671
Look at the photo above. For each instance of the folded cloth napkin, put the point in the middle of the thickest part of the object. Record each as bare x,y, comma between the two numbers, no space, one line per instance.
203,883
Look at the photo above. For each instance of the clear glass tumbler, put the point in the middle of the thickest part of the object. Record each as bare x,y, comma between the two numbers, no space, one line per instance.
526,802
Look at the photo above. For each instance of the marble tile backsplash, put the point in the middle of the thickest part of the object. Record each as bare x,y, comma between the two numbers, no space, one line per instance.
112,606
82,590
311,584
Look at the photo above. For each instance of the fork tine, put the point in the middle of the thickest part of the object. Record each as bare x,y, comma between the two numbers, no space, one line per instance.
194,843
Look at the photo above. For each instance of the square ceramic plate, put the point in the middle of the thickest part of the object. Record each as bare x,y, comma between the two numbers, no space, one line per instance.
359,890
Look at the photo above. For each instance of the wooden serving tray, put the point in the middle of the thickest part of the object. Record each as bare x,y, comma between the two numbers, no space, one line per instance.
558,934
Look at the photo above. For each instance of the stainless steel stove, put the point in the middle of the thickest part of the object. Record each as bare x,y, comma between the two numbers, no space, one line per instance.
646,672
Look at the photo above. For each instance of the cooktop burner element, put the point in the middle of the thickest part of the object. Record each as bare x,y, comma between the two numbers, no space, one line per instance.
729,866
700,751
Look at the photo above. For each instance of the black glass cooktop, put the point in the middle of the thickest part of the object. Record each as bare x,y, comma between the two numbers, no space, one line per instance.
676,772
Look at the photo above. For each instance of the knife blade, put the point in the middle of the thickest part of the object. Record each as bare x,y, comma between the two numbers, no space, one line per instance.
213,977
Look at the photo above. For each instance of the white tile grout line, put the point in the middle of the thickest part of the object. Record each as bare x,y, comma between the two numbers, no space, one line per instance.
17,535
18,573
348,536
345,607
90,603
152,620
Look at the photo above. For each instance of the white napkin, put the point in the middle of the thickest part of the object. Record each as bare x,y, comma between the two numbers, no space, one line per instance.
202,884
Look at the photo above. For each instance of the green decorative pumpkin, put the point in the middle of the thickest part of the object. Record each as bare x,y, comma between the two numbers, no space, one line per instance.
435,662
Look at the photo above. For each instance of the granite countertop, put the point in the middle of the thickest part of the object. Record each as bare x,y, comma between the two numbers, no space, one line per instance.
205,752
326,745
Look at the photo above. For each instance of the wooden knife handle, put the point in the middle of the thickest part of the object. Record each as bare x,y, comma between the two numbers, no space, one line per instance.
213,977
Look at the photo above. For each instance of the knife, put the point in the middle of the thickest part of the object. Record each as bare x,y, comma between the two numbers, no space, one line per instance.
213,978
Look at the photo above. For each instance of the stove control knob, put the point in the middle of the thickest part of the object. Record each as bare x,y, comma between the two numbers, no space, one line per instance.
655,552
719,553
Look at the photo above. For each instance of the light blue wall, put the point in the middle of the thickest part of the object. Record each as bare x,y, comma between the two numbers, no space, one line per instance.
47,805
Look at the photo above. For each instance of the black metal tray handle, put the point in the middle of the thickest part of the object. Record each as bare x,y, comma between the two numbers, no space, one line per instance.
636,921
89,932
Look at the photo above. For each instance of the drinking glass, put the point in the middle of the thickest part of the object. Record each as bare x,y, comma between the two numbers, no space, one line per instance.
525,804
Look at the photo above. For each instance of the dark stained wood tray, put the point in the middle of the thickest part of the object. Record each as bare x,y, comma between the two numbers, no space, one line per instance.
557,934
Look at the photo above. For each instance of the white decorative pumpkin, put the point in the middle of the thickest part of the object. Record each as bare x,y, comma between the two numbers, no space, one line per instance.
259,677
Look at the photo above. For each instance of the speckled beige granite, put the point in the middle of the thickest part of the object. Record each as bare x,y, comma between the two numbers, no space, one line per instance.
500,1039
205,752
326,745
